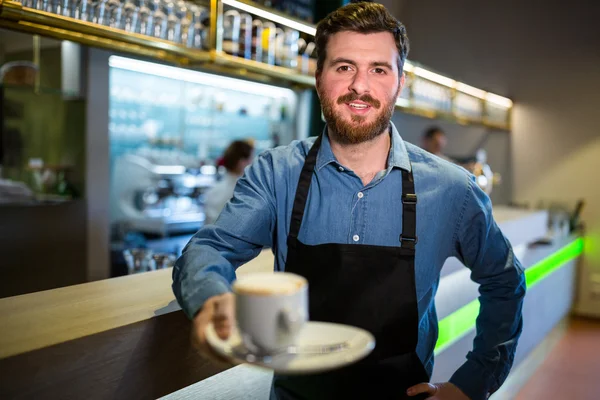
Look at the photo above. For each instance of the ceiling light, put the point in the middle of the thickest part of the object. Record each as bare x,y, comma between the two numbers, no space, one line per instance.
311,30
432,76
499,100
202,78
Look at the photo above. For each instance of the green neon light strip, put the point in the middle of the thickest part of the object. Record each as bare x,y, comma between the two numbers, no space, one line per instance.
462,321
539,271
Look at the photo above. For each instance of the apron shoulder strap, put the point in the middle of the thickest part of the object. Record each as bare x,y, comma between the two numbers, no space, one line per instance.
408,237
303,188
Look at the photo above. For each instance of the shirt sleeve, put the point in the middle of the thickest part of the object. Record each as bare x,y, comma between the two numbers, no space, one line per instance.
208,262
482,247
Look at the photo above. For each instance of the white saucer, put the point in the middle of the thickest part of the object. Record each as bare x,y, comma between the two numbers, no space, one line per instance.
358,343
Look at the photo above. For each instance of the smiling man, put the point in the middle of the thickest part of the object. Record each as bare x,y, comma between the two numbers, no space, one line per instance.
369,220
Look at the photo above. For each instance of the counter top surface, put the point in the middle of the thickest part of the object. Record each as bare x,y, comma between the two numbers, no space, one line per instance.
506,213
36,320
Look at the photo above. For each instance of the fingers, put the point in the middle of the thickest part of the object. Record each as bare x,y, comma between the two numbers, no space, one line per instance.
224,315
424,387
222,327
220,311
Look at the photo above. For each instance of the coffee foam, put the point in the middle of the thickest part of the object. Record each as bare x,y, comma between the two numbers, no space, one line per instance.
268,284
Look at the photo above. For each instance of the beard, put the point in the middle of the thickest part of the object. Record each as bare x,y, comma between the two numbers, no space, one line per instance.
357,130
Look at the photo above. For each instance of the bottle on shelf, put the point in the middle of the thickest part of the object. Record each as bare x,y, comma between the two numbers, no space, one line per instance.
174,13
159,19
245,43
268,42
129,16
257,34
231,32
290,48
279,46
195,38
145,18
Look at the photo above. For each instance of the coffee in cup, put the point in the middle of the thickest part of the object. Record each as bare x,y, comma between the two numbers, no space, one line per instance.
271,309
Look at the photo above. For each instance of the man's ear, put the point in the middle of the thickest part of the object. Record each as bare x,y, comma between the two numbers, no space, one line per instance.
401,84
318,81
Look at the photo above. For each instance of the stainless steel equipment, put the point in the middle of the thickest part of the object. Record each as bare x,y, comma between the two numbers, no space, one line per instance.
158,192
478,166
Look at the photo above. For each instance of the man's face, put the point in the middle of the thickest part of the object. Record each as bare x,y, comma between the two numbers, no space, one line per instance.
359,84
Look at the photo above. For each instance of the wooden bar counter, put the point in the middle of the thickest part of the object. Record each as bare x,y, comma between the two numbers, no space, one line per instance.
121,338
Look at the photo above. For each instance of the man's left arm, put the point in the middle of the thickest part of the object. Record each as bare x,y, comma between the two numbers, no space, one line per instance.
482,247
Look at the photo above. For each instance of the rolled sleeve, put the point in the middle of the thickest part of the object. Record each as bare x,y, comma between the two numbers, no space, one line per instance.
472,379
482,247
208,262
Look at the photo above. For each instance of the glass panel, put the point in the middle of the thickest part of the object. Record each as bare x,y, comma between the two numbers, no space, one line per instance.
168,130
41,126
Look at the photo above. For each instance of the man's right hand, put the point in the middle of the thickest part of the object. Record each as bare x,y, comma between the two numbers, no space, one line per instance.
220,310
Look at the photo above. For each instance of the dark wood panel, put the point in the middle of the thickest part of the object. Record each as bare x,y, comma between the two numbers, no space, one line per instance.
42,247
145,360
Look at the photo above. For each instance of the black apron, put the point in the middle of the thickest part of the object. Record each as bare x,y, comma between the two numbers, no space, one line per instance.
371,287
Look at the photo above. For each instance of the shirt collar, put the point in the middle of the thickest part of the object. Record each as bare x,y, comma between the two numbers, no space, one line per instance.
398,155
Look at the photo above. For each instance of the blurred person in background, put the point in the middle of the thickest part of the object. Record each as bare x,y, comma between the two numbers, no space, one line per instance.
434,141
236,158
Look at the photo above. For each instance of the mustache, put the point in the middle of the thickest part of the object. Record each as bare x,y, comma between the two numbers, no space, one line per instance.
366,98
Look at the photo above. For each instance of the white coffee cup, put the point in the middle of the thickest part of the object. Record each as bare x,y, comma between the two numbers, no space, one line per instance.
271,309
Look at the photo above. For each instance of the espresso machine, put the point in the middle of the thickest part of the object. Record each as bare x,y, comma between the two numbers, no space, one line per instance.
157,191
477,165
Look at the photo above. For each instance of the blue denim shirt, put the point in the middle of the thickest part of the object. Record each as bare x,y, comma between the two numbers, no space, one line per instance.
454,218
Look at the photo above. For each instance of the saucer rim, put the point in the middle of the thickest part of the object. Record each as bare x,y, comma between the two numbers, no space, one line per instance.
224,349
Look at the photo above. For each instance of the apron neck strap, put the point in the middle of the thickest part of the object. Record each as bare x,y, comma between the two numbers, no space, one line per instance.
303,188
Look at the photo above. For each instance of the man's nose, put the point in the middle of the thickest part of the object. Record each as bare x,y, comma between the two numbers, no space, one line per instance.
360,83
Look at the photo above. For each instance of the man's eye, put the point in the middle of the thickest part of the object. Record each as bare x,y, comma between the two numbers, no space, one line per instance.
379,71
344,68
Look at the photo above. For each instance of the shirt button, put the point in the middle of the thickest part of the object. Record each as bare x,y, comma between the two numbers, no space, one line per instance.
356,238
341,169
360,195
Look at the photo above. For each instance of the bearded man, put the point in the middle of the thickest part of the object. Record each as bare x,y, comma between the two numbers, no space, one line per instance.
369,220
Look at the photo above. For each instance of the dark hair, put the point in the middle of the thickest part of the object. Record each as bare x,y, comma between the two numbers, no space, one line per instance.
432,131
361,17
236,151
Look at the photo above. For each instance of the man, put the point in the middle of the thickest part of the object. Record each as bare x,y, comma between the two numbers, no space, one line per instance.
434,141
236,158
369,220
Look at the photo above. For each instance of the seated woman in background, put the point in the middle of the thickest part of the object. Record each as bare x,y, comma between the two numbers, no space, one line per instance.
237,156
